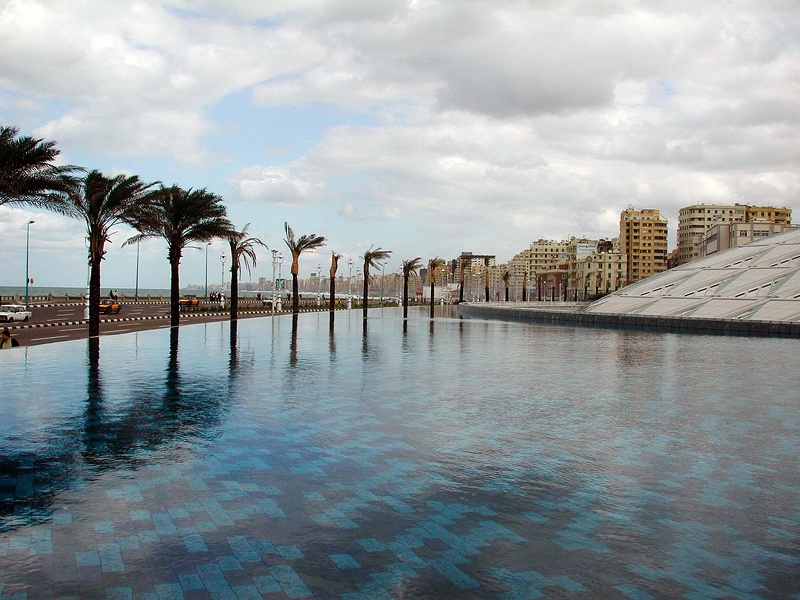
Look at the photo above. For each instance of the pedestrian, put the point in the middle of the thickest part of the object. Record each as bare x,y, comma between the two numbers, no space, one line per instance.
8,341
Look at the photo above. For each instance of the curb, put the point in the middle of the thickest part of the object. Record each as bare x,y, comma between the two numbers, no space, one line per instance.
15,327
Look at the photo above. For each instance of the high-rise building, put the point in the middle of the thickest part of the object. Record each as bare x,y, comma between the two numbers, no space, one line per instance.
643,241
694,223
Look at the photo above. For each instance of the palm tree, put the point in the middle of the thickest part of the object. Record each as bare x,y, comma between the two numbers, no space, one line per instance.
27,174
434,265
297,247
102,203
371,259
243,252
506,277
410,268
334,267
462,268
180,217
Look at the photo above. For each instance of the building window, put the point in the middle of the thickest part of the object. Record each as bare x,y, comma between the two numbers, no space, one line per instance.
743,234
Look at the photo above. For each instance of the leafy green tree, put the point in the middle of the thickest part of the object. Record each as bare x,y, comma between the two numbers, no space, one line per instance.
102,203
27,175
180,217
371,259
297,246
410,267
434,265
243,253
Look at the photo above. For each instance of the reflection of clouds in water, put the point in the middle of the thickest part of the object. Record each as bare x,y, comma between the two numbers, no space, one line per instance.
599,436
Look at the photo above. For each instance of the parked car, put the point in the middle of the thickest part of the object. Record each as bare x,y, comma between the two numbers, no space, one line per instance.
189,300
14,312
110,306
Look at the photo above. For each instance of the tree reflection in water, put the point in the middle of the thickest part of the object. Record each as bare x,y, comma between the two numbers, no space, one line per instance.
112,434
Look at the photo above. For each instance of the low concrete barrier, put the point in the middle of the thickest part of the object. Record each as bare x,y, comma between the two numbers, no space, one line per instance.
620,321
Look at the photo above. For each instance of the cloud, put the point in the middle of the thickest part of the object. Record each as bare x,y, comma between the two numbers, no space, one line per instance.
275,186
448,124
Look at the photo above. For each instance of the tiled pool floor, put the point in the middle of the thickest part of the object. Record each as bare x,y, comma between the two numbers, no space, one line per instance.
342,465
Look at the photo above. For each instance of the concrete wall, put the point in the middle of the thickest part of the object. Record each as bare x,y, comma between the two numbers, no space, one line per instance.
620,321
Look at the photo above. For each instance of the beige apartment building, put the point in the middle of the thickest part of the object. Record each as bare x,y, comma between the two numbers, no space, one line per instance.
694,223
643,241
601,273
730,235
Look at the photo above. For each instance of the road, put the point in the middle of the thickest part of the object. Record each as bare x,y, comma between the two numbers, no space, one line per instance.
61,322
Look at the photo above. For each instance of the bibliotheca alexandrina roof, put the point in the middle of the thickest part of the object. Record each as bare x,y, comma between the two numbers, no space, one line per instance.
759,281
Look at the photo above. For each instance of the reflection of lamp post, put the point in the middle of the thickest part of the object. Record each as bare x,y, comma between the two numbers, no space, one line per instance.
27,250
350,285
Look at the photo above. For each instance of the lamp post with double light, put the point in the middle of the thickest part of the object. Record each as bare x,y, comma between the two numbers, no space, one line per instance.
319,285
274,282
27,253
207,245
136,291
222,259
280,278
350,286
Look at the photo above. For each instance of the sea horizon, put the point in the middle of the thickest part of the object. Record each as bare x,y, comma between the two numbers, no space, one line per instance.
19,290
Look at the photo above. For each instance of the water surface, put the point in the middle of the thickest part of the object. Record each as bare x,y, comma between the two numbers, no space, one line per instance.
452,459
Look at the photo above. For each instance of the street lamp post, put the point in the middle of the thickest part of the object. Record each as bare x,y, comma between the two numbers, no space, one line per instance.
383,266
136,292
207,245
27,251
274,283
280,277
319,285
222,259
350,286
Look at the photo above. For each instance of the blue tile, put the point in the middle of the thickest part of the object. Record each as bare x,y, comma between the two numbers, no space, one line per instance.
290,583
344,561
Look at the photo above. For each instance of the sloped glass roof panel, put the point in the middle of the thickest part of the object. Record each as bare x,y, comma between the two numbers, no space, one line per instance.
776,256
671,307
749,279
704,278
725,308
777,310
620,305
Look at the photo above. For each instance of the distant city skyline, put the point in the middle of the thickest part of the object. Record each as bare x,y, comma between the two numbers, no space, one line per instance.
425,127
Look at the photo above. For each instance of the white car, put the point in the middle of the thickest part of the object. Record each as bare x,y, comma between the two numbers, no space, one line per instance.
14,312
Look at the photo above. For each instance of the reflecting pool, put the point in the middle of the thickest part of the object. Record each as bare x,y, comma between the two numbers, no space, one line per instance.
426,459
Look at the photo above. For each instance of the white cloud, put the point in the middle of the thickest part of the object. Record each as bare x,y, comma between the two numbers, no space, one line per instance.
461,123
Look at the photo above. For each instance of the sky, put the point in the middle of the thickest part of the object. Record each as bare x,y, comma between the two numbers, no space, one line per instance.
424,127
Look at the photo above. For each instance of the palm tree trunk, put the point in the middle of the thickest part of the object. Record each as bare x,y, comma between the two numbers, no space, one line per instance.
234,289
431,298
174,292
295,295
332,299
506,293
94,299
405,297
366,290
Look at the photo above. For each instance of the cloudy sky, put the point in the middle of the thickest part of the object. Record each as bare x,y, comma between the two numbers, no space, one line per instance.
426,127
